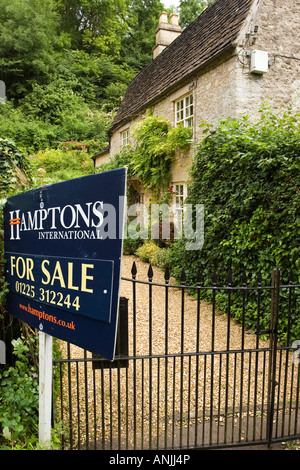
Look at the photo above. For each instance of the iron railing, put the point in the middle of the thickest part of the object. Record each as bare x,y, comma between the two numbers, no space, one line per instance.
188,375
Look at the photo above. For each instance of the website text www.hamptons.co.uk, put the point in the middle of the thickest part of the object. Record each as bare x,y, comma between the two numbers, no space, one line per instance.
42,315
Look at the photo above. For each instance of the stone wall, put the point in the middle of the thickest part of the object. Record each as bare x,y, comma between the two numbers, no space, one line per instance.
278,26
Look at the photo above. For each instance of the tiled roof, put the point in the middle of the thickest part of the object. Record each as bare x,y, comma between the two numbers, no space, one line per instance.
212,33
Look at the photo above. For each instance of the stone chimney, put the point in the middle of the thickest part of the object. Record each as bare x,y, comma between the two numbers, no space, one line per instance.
166,32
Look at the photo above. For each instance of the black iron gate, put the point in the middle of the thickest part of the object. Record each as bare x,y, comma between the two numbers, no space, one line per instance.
186,374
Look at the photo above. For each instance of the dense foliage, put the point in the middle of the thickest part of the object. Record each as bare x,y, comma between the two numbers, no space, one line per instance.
19,400
151,155
247,175
72,160
66,66
19,395
191,9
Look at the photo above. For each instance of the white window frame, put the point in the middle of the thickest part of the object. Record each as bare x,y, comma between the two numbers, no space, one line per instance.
180,194
125,138
184,111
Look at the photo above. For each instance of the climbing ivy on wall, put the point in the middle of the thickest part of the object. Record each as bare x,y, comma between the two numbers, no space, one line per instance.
152,153
156,144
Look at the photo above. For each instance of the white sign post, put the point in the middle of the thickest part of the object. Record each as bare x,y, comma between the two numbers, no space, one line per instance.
45,387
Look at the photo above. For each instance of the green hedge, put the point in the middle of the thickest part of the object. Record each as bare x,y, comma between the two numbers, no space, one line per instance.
247,175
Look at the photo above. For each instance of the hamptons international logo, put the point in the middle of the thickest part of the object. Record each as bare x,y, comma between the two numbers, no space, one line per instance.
67,222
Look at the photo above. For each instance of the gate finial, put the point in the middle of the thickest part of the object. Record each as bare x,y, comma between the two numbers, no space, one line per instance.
133,270
167,274
150,273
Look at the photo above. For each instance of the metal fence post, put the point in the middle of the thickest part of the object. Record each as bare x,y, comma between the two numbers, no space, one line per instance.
273,352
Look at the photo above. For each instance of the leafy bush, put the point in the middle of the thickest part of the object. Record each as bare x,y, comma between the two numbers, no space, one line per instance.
149,252
131,245
247,175
37,125
54,165
19,399
14,168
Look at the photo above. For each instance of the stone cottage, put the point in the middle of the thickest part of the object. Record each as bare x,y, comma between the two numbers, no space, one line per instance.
236,54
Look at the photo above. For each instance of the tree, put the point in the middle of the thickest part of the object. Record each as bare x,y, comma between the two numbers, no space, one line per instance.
27,37
92,25
191,9
142,21
66,63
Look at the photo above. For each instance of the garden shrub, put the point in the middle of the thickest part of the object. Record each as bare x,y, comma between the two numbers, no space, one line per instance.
149,252
54,165
130,245
19,400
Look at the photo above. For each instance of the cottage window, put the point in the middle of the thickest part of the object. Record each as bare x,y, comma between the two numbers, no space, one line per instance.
180,193
125,138
184,111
